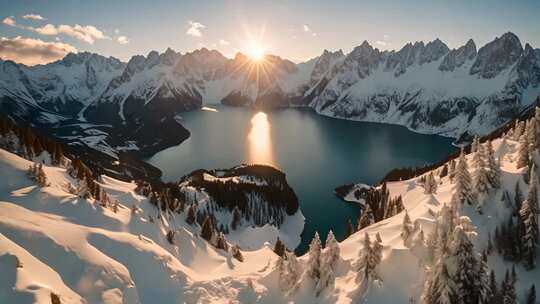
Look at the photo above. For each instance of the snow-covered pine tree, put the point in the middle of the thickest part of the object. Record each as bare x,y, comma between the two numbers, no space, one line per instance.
41,176
452,170
207,231
523,152
289,273
332,251
430,184
531,293
406,227
518,130
466,274
313,269
326,277
493,288
439,287
364,267
367,218
377,249
463,189
518,198
481,180
236,219
531,134
494,174
483,284
529,241
478,157
508,290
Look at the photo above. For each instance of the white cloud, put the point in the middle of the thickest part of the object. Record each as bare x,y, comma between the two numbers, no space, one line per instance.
381,43
9,21
223,42
86,33
314,34
33,51
306,28
195,28
122,40
117,31
33,17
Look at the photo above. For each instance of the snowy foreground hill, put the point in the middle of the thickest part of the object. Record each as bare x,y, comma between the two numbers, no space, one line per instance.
57,245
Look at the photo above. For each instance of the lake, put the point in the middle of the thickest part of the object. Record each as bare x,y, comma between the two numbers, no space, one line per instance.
317,153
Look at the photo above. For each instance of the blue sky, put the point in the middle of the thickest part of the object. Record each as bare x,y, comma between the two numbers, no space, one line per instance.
297,30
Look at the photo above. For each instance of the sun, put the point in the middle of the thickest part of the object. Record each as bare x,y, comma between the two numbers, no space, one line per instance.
255,50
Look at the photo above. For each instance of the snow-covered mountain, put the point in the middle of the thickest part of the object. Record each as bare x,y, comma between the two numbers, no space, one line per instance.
424,86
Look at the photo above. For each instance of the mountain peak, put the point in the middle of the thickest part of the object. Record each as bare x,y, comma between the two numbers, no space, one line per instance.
497,56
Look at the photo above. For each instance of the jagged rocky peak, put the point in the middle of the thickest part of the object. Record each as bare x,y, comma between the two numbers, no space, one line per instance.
527,69
363,58
457,57
169,57
323,65
497,56
433,51
135,65
90,59
404,58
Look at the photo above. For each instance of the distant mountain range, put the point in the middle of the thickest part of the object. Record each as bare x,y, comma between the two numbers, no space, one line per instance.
426,87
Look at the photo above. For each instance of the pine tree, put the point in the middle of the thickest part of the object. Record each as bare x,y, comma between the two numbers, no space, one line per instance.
452,170
481,180
406,227
508,290
518,198
207,230
221,242
314,258
531,293
288,272
367,218
367,262
237,218
279,248
332,249
236,253
326,278
523,152
465,277
494,174
439,287
532,135
430,184
494,293
190,217
444,171
463,189
484,288
478,157
529,240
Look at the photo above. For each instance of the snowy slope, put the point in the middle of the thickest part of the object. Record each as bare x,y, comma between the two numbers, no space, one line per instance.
77,249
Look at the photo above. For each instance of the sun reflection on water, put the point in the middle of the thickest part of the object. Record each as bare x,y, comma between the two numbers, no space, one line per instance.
260,141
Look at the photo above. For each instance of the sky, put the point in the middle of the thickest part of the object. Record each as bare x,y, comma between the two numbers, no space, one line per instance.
41,31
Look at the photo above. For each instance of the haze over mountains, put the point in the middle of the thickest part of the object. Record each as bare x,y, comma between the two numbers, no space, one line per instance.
424,86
